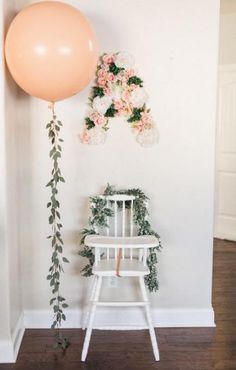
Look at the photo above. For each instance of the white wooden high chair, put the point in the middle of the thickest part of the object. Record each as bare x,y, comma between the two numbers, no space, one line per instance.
115,256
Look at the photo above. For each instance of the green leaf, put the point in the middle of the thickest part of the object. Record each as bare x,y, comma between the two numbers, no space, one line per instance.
65,260
51,219
52,300
53,324
49,183
111,111
59,248
89,123
135,80
114,69
97,91
136,115
56,308
65,305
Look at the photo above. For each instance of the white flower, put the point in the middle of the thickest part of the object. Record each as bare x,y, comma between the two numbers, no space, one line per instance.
124,60
138,97
97,135
101,105
116,92
147,138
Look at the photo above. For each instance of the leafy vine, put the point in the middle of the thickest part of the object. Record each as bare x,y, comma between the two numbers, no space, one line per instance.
58,302
99,214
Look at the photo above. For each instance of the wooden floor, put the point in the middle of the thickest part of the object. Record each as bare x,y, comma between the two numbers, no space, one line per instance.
180,349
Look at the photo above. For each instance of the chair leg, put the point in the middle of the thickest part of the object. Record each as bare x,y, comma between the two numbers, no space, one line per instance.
91,318
88,304
149,320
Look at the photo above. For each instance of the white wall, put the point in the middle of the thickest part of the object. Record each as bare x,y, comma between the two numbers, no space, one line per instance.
11,309
175,46
4,306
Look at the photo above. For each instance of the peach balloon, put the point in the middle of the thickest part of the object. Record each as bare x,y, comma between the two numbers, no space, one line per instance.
51,50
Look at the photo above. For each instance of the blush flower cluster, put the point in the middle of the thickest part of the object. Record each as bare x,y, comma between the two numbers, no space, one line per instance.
118,92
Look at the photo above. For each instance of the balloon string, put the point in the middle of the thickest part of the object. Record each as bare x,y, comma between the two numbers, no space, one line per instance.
52,107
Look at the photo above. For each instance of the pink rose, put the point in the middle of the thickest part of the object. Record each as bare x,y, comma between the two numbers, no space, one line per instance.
133,87
102,73
110,77
126,95
108,58
121,112
85,137
97,118
101,82
118,104
129,73
145,117
139,127
107,91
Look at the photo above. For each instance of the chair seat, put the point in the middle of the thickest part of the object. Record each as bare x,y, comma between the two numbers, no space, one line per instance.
144,241
127,268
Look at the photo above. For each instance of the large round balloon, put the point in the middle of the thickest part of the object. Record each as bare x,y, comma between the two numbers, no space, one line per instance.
51,50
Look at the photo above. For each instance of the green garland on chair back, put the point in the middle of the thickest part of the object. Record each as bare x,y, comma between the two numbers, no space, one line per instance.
99,214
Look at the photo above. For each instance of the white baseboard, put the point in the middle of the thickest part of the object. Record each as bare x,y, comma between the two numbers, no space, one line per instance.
226,236
9,348
126,317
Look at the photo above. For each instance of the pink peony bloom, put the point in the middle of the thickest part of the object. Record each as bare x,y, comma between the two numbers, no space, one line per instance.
85,137
108,58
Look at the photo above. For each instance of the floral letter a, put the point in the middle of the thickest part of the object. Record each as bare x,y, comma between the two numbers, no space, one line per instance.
118,92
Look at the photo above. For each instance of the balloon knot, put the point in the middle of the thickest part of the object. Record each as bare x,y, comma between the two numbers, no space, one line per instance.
51,106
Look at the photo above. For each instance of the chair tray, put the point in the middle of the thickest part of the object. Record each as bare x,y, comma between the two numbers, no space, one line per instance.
127,268
142,241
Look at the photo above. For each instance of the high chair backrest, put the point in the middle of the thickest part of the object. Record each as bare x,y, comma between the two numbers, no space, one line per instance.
118,203
114,201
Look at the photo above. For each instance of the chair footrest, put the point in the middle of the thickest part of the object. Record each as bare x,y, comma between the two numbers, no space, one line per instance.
121,327
120,304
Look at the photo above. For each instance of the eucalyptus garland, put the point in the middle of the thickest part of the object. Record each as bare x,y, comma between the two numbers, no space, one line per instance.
99,215
57,302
